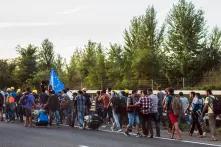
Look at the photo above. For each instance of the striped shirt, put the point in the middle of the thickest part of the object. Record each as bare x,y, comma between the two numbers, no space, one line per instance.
81,103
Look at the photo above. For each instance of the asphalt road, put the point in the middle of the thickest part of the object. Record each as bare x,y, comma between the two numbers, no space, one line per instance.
15,135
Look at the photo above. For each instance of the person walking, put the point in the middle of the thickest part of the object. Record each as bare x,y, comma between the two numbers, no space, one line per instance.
53,107
185,105
196,113
161,96
208,106
105,99
1,105
19,108
88,101
28,102
145,110
115,103
154,111
99,105
133,114
174,107
81,108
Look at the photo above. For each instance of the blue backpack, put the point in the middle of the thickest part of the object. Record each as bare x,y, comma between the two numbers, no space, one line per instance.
42,118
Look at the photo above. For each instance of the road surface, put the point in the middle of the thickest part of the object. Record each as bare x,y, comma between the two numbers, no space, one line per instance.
15,135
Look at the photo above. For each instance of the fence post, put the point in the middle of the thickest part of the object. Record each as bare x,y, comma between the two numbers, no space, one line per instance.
183,83
152,84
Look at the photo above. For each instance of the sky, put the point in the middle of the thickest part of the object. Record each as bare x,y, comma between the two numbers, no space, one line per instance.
69,24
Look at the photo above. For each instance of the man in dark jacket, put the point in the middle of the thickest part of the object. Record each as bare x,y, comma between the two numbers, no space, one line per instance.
88,101
1,105
53,106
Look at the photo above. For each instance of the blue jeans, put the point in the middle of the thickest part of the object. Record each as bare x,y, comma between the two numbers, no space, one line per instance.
133,117
116,119
81,118
55,115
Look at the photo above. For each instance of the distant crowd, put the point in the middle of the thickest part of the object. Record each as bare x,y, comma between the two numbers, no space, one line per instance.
124,111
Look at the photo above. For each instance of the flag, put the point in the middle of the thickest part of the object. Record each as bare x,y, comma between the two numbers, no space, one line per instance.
55,82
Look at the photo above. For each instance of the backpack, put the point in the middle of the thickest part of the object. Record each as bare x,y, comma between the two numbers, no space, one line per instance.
24,100
42,118
169,104
1,99
176,106
216,105
64,104
116,101
11,100
131,103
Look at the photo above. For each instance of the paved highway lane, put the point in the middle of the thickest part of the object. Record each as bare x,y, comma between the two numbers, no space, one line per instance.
15,135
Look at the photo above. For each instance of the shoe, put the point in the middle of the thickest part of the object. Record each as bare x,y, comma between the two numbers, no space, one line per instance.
126,134
138,135
200,136
150,136
119,130
213,139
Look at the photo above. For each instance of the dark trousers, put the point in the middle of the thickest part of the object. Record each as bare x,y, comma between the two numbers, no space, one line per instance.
20,112
74,115
107,112
196,122
162,118
147,124
156,119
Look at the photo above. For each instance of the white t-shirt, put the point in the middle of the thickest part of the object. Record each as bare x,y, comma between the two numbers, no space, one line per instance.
185,103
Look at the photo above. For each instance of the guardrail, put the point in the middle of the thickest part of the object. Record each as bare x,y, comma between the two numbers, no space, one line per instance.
186,92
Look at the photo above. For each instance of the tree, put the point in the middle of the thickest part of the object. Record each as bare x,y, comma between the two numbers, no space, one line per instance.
142,45
211,53
73,72
186,37
100,66
47,55
115,66
27,66
7,77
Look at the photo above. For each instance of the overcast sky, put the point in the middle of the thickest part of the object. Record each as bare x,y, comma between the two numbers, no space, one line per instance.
70,23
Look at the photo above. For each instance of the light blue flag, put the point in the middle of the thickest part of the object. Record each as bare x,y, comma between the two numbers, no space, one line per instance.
55,82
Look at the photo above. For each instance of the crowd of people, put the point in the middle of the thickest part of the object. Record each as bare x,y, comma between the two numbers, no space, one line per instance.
136,111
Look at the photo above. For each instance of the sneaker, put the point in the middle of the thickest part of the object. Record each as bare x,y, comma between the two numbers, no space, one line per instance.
157,135
151,136
119,130
138,135
103,126
126,134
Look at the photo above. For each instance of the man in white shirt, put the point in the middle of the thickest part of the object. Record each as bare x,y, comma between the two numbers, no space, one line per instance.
154,111
185,105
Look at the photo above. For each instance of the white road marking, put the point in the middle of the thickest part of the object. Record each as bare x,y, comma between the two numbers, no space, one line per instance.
184,141
82,146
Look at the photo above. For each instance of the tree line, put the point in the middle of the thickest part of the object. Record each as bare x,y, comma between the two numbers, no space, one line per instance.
182,47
